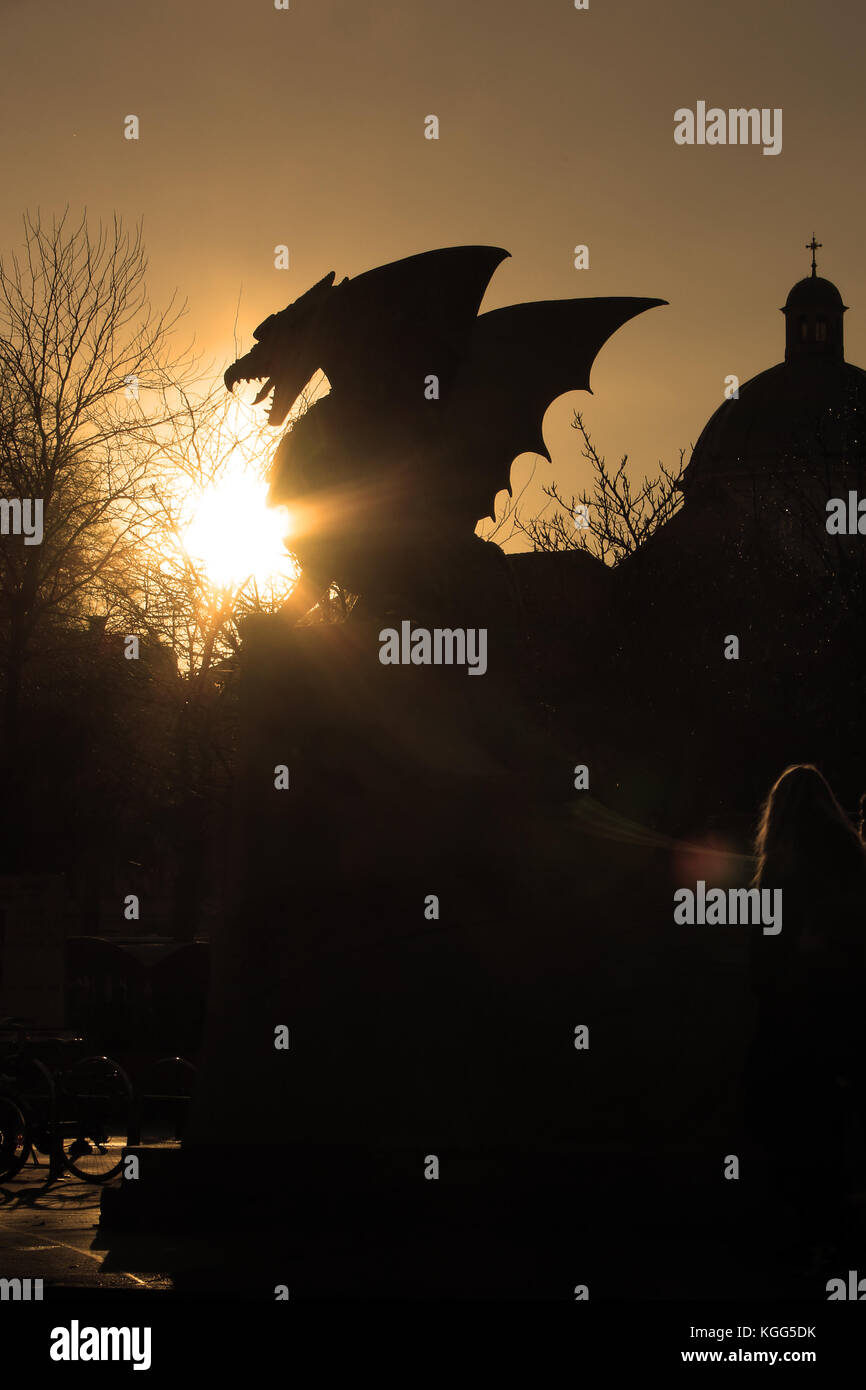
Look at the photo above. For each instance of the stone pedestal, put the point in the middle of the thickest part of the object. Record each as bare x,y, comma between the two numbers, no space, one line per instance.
362,896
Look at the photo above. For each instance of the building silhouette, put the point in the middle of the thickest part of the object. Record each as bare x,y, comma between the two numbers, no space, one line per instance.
688,727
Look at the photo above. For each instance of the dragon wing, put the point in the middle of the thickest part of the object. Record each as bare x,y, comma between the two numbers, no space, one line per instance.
395,324
522,358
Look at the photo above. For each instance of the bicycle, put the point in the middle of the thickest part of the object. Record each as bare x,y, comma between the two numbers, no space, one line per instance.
81,1116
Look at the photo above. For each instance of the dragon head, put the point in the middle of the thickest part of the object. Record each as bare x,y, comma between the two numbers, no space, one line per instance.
286,352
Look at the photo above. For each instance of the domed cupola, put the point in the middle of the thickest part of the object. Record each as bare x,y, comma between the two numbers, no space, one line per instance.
794,420
813,318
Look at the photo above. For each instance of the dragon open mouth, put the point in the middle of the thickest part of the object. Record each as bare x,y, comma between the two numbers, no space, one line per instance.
285,356
282,394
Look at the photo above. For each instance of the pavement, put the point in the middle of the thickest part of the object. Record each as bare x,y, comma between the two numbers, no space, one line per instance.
250,1244
51,1232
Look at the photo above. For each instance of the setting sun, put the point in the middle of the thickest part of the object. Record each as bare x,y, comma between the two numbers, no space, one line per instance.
236,536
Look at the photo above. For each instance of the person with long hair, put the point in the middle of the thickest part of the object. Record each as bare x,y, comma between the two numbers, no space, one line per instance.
804,1091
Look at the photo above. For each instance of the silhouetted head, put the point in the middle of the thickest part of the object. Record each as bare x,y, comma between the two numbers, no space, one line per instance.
287,351
803,830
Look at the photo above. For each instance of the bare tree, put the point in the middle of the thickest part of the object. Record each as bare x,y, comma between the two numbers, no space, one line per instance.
610,521
87,370
167,592
170,597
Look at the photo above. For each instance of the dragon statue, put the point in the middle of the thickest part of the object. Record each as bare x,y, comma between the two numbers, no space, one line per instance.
430,403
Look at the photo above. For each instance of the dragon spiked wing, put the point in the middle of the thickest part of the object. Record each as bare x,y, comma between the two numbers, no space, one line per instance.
522,358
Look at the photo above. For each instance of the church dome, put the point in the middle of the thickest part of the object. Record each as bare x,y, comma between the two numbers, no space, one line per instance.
800,417
814,292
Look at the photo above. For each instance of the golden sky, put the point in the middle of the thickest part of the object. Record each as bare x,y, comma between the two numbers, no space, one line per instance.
306,127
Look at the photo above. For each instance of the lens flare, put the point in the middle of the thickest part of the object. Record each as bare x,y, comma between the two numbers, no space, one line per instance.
235,536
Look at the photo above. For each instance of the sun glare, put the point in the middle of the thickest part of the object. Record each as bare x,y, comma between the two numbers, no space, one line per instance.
236,537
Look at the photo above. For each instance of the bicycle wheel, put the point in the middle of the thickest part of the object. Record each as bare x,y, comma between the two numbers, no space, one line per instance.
97,1120
14,1140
